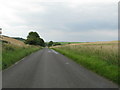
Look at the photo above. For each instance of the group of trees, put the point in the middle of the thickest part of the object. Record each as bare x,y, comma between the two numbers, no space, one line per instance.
33,38
51,43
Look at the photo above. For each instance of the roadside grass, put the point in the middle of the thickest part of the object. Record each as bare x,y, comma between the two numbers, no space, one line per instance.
101,59
12,53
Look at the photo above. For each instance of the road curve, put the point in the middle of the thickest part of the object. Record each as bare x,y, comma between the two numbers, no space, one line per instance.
49,69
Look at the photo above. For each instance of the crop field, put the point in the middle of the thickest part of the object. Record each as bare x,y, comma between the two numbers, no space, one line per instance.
63,43
100,57
12,41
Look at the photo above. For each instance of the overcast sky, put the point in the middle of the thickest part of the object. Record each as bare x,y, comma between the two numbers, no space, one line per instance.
61,20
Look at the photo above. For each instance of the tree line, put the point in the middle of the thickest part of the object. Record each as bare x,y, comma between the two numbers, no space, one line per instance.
33,38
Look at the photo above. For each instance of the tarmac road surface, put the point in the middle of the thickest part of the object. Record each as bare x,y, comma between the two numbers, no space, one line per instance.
47,68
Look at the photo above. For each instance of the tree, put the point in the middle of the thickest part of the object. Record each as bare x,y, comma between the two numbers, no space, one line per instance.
34,39
42,42
56,43
50,43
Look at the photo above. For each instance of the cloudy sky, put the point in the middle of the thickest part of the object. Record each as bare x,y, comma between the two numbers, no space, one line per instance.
61,20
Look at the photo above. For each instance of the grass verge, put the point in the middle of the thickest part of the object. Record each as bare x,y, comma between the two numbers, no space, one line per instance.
12,54
92,61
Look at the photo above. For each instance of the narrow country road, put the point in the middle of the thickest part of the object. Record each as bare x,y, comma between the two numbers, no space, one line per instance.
49,69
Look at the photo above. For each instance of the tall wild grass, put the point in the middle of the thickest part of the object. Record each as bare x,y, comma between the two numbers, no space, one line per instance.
12,53
101,58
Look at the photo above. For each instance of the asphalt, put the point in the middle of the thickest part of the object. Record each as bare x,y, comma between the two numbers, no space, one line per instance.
49,69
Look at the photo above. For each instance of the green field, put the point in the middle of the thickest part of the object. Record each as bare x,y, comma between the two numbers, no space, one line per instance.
12,53
102,59
69,42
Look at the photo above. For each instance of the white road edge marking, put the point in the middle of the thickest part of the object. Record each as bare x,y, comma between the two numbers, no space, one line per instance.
55,52
66,63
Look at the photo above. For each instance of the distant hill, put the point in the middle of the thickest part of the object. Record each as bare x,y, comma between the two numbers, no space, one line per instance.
7,39
20,39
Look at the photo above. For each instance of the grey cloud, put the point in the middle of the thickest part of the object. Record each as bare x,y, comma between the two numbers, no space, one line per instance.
60,17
